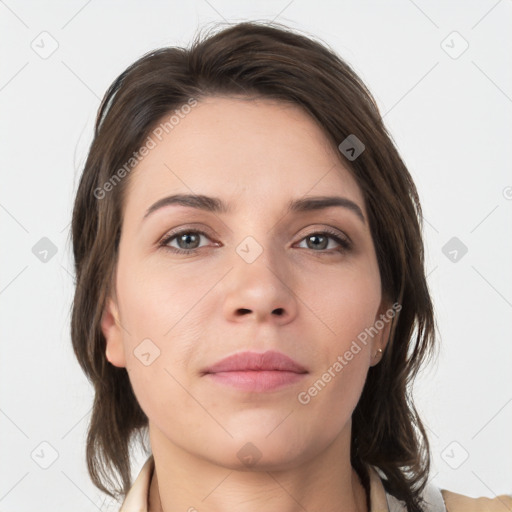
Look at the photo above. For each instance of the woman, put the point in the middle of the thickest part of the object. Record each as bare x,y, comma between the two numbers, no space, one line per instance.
251,292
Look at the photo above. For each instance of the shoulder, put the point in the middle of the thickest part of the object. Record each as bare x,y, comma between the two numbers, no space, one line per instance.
459,503
435,499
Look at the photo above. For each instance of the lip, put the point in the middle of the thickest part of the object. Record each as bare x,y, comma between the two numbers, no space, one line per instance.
255,361
253,371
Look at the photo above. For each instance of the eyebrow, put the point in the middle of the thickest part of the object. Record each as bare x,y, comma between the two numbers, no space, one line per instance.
216,205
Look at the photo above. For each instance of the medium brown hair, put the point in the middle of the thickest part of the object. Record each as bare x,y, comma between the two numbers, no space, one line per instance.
257,59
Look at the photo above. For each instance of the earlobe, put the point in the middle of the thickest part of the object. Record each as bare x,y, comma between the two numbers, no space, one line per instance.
112,332
383,322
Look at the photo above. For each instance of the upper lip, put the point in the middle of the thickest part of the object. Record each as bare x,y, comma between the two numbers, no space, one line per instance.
246,361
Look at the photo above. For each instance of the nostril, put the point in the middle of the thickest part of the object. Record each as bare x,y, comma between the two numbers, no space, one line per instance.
278,311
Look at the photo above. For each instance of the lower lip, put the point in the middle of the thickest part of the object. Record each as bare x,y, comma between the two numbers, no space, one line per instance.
257,381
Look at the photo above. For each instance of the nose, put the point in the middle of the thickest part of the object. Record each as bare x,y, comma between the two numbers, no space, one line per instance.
261,291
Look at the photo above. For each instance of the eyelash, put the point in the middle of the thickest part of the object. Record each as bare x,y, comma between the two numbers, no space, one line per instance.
345,244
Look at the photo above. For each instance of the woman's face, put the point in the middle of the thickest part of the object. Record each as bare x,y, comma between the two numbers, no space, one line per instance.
251,276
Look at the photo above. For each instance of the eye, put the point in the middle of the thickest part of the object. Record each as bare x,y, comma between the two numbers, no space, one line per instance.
320,240
187,240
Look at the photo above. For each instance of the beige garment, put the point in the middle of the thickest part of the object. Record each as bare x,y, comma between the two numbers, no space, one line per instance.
138,497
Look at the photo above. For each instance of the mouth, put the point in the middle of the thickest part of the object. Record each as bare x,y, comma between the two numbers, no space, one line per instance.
256,372
256,380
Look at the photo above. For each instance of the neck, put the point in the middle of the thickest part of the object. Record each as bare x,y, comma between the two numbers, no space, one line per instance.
182,481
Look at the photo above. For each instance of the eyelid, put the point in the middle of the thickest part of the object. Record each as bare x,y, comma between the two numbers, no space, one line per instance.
326,228
206,231
185,228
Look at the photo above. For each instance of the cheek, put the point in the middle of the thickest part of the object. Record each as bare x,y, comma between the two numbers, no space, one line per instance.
334,388
347,301
158,303
159,340
159,313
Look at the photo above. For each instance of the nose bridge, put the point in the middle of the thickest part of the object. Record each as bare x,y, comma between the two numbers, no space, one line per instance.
260,282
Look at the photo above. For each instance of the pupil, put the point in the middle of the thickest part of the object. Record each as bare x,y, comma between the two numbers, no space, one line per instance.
186,239
316,237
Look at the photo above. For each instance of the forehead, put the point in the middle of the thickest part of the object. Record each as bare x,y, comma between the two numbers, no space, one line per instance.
259,151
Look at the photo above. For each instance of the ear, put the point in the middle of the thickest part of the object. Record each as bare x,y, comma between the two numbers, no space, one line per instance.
384,319
113,333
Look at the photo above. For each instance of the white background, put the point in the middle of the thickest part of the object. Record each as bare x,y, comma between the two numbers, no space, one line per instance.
451,120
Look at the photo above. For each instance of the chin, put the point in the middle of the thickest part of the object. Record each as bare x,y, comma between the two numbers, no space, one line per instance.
257,450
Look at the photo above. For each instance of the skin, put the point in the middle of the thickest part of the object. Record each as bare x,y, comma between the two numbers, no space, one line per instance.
255,155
